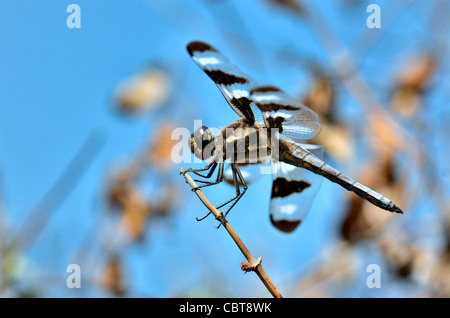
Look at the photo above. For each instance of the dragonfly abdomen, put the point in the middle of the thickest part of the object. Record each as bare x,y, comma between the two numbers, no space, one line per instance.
299,157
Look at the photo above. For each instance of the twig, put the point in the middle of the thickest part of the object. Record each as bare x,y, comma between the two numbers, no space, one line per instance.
253,264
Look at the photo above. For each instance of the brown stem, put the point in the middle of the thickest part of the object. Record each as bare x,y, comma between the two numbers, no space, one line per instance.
258,268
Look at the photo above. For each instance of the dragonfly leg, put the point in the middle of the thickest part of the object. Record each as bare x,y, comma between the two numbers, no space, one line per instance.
212,163
210,173
219,178
237,178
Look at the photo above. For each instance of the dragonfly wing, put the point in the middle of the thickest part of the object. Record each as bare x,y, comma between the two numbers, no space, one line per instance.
250,172
293,191
282,111
234,84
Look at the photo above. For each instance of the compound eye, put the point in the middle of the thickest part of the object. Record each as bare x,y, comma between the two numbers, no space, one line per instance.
200,139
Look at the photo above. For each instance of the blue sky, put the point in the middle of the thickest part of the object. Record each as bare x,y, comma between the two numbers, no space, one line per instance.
56,89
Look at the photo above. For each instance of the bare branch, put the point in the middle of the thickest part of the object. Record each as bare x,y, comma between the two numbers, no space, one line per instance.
252,262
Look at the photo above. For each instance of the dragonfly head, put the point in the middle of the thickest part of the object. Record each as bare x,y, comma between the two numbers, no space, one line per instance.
202,143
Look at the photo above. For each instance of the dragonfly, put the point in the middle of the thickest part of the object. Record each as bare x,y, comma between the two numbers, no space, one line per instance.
281,125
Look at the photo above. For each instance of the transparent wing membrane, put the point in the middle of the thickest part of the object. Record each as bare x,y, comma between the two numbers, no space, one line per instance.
293,191
282,111
234,84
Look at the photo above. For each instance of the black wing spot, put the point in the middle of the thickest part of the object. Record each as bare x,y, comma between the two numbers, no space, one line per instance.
222,78
286,226
243,105
198,46
265,89
275,107
276,122
282,188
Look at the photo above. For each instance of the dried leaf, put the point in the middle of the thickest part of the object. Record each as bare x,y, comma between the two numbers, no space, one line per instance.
145,91
321,97
411,82
291,5
417,73
337,140
112,278
160,152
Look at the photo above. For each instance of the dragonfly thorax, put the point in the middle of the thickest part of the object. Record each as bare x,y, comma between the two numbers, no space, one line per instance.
243,143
